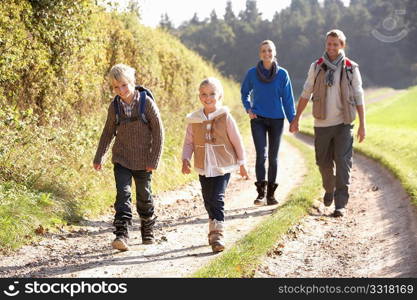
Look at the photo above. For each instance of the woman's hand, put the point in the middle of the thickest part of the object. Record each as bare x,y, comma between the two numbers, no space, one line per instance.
243,172
186,167
251,114
97,167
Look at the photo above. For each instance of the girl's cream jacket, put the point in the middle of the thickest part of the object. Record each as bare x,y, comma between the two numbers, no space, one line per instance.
215,141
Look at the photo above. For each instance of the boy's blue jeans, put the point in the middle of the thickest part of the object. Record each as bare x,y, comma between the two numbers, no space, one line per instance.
261,128
213,189
144,201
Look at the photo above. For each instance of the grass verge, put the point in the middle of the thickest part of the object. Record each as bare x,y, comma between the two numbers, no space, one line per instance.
243,257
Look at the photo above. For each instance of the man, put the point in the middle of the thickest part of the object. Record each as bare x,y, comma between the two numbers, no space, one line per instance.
334,85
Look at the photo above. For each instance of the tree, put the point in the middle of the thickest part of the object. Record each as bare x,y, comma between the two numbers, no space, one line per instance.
166,23
229,15
213,17
251,14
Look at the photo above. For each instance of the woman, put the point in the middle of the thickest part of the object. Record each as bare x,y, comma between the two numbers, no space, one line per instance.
269,87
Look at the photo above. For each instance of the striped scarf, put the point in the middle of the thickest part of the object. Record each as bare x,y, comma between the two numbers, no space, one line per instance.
332,66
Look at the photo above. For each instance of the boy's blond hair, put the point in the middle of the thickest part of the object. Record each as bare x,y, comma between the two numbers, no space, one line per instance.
214,82
121,71
337,34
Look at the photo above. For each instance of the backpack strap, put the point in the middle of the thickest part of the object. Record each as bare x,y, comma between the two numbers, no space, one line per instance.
317,64
144,89
142,102
349,69
117,109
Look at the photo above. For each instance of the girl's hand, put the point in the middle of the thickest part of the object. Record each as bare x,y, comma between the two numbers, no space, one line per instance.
243,172
186,167
97,167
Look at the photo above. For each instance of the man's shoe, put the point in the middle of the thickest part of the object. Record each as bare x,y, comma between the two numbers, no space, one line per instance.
328,199
339,212
120,243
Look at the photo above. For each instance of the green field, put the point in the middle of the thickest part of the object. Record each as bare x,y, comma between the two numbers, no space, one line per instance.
391,137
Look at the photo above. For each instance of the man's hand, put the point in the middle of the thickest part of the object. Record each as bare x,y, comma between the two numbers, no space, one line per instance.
361,134
294,126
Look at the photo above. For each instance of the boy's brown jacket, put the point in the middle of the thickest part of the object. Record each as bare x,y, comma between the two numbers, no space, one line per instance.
137,145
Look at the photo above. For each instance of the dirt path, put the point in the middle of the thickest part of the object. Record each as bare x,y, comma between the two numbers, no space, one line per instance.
181,234
376,95
377,238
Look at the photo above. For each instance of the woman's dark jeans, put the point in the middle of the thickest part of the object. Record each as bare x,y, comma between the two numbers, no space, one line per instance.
261,127
144,201
213,189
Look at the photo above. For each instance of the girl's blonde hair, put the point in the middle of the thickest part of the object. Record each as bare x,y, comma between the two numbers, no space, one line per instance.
214,82
271,44
121,71
337,34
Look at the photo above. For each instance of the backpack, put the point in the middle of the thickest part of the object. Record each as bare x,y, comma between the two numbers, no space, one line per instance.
142,101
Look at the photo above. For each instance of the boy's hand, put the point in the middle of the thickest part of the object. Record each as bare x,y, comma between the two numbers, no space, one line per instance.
97,167
186,167
243,172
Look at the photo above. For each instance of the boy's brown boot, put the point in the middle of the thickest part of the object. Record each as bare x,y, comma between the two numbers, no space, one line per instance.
146,229
215,236
122,235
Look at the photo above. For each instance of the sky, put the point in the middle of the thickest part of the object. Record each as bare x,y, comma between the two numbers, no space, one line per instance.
183,10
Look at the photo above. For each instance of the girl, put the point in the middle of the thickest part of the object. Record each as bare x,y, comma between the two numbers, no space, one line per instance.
270,87
212,135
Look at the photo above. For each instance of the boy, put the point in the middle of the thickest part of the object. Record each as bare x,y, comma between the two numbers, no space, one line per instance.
136,153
